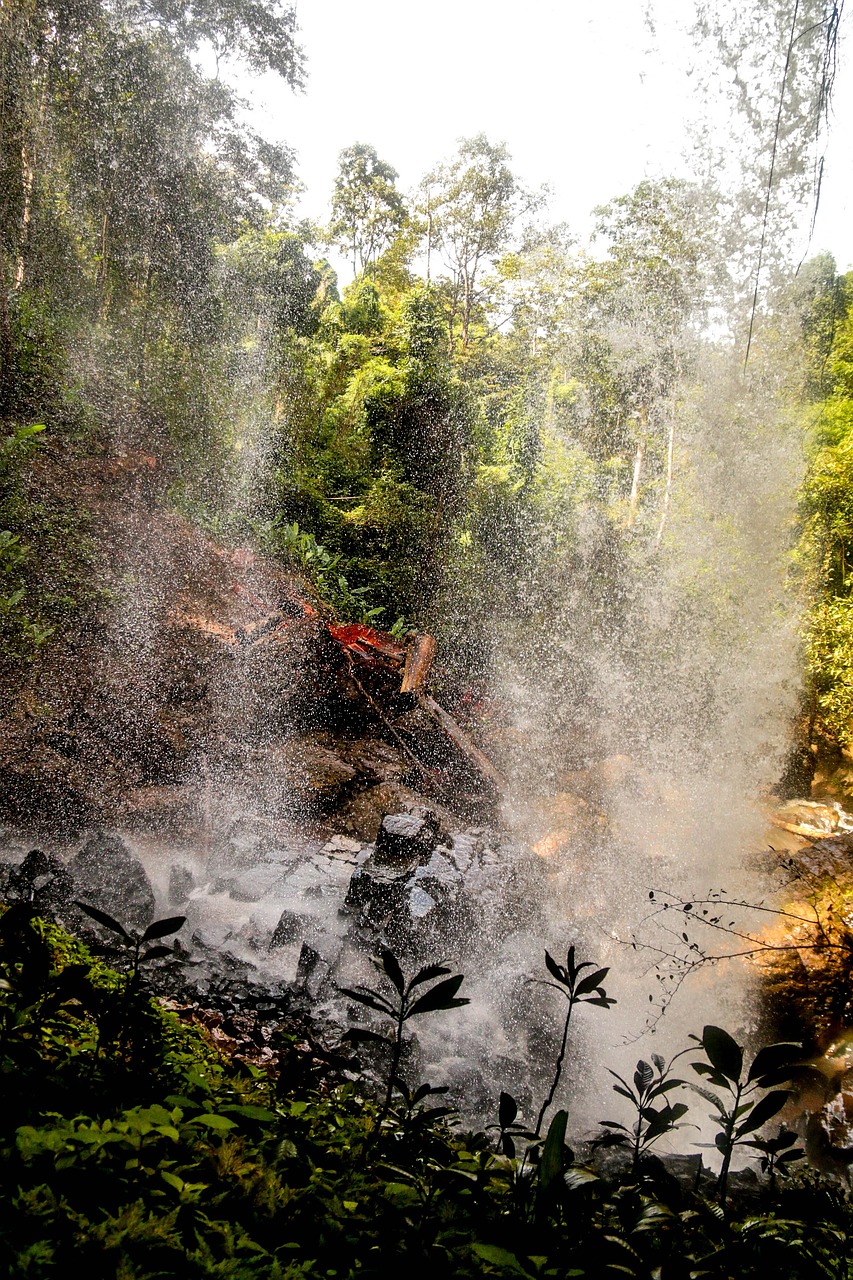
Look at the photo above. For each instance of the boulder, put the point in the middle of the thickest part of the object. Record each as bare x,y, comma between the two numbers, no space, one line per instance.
808,818
406,839
181,884
44,880
108,876
251,885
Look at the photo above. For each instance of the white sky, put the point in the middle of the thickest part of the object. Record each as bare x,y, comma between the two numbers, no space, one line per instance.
586,100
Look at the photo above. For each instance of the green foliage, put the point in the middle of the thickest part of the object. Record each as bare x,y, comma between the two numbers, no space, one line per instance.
46,569
367,209
826,514
149,1154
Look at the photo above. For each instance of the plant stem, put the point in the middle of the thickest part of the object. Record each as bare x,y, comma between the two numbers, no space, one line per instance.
727,1157
546,1104
395,1062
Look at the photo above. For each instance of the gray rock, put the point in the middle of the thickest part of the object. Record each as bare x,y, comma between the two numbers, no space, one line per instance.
420,902
108,876
254,884
42,879
291,928
376,895
181,884
406,839
312,971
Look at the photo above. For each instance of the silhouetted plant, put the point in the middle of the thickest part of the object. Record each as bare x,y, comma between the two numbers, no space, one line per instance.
744,1112
577,990
134,942
507,1128
777,1154
652,1084
409,1004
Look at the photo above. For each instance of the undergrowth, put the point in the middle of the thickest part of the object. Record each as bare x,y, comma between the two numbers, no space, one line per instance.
130,1147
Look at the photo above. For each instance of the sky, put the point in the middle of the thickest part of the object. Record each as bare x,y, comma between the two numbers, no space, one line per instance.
586,97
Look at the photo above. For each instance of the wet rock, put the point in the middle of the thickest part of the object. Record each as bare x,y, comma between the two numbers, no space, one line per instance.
44,880
108,876
420,903
311,971
291,928
406,839
362,812
342,846
303,775
377,896
253,884
830,857
181,885
808,818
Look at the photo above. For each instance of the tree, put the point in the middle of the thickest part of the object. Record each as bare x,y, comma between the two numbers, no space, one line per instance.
637,313
367,208
471,204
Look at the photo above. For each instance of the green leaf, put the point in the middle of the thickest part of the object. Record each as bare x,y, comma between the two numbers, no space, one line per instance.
441,996
551,1166
556,970
156,953
102,918
162,928
213,1121
578,1176
724,1053
502,1258
262,1114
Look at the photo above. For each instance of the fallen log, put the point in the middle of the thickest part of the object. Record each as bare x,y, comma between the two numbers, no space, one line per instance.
419,656
460,739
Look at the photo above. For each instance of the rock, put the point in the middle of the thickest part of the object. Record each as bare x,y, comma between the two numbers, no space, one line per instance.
311,971
377,896
807,818
830,857
342,845
304,775
108,876
439,883
406,839
362,812
181,884
420,902
251,885
291,928
44,880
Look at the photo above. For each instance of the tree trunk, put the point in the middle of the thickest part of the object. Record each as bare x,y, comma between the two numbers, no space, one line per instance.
668,490
639,456
6,370
27,179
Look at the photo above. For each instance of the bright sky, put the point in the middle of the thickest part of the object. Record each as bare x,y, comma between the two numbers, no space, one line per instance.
587,100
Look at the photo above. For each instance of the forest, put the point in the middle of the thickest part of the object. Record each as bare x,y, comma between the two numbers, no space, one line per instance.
611,476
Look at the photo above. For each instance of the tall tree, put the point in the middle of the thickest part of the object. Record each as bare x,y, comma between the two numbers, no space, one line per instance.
367,208
471,203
